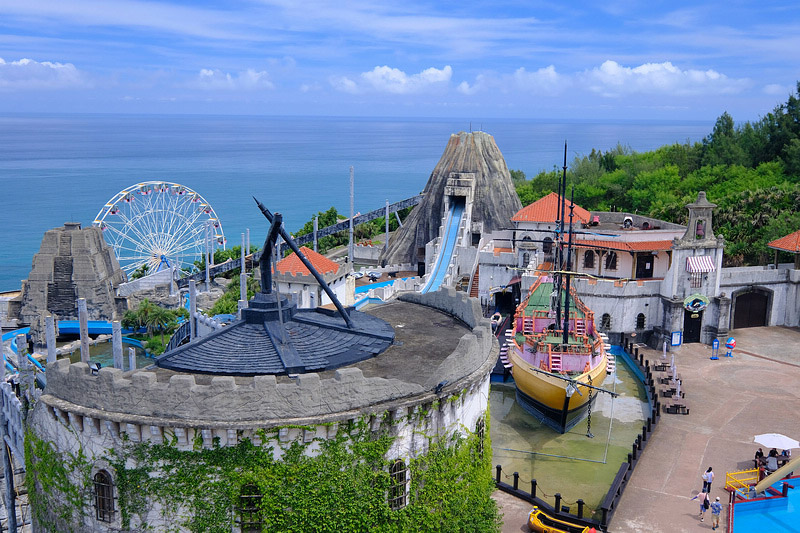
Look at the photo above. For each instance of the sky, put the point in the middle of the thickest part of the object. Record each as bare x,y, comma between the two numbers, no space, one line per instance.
527,59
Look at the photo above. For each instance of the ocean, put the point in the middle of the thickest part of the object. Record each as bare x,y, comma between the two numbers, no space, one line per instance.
60,168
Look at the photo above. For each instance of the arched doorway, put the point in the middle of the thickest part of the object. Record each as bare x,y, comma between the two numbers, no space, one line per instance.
692,325
751,308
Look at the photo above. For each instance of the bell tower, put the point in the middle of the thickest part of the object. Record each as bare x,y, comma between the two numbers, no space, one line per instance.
699,230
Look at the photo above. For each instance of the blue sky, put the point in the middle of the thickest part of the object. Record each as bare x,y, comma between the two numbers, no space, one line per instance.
524,59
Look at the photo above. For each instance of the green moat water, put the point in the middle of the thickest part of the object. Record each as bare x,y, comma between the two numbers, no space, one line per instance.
586,466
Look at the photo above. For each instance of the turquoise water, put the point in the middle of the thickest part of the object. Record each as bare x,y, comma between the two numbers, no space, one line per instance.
59,168
776,515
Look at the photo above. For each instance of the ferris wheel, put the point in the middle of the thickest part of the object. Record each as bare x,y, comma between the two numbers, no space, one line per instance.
157,224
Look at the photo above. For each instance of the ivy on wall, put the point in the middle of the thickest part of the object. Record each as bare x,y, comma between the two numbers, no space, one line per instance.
342,486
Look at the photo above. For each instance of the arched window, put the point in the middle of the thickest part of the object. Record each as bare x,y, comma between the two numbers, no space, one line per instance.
526,258
547,246
104,496
611,261
480,433
588,259
398,485
249,517
640,319
605,322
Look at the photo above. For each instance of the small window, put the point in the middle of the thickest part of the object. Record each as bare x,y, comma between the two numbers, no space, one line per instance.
249,516
480,433
640,319
547,246
398,488
605,322
588,259
611,261
104,496
526,259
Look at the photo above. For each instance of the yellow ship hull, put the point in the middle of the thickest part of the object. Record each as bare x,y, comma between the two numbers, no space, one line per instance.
545,396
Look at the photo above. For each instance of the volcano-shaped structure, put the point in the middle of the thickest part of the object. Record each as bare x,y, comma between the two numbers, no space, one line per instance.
473,155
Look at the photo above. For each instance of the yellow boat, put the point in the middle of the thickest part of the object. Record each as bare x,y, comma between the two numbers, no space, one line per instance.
557,376
543,523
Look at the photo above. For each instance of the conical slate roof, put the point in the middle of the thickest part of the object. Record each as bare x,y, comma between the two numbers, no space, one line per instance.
495,199
306,340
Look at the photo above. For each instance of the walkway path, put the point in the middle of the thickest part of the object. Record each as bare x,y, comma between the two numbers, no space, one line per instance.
730,401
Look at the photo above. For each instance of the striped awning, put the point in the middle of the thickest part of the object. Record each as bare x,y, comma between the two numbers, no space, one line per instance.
700,263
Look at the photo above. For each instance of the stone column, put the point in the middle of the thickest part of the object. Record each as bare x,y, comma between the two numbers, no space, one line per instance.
116,343
243,276
192,309
316,228
386,218
50,336
83,320
131,358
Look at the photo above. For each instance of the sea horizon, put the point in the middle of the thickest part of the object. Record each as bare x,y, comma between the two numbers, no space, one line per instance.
63,167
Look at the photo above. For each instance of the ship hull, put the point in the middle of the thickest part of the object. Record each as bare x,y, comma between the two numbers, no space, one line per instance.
545,397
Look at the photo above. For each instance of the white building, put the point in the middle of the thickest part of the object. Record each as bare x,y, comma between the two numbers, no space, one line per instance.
294,278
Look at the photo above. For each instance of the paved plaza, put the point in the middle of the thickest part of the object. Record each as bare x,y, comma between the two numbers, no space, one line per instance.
730,400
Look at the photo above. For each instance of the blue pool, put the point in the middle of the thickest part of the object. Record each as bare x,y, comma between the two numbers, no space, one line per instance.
775,515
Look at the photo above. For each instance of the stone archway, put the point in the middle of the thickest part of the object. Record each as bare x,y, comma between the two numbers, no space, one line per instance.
751,307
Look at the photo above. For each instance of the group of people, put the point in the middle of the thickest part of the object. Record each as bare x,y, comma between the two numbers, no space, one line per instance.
705,500
770,462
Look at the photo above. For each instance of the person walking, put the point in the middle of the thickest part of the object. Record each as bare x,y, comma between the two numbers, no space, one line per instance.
708,477
716,510
704,505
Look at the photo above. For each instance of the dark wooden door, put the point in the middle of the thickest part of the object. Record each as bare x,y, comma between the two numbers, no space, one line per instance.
691,326
751,310
644,265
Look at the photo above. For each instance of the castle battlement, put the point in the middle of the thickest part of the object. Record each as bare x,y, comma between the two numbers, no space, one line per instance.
148,397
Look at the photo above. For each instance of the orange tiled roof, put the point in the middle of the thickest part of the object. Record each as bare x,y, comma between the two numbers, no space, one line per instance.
292,264
547,210
790,243
625,246
498,251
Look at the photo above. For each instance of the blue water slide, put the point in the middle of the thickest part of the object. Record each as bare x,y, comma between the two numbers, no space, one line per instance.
449,238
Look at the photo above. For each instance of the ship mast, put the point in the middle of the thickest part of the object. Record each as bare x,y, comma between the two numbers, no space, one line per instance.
569,267
562,191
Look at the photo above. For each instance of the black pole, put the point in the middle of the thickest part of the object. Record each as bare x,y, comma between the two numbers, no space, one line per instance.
569,267
497,476
558,502
562,192
580,508
533,488
290,241
516,480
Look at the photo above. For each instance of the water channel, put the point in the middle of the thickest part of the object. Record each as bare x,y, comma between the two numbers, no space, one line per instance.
571,464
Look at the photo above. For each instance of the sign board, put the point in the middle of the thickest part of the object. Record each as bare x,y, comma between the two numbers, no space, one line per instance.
677,337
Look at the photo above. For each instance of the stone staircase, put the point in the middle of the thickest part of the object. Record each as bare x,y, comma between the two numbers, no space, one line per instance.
61,296
473,290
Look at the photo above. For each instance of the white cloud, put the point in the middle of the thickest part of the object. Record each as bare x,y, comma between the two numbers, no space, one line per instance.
544,81
778,90
30,74
344,84
248,80
612,79
391,80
